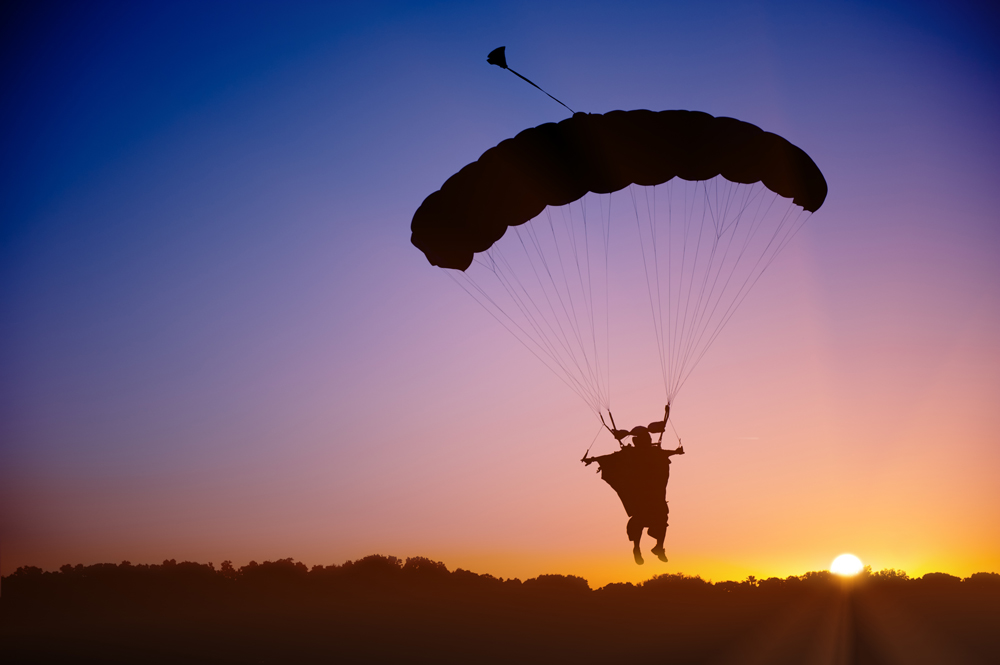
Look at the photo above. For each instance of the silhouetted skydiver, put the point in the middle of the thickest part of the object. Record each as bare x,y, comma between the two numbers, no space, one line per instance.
639,473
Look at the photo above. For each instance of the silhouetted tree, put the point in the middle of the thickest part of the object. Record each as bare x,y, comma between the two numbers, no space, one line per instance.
384,608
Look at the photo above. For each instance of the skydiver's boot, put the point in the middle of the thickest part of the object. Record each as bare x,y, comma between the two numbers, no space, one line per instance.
660,553
636,553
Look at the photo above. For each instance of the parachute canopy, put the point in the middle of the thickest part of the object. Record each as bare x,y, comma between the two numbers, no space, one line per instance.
557,163
708,204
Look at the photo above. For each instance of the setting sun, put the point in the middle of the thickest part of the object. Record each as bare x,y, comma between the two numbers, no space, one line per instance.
846,564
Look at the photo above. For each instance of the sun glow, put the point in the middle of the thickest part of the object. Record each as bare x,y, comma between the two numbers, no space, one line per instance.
846,564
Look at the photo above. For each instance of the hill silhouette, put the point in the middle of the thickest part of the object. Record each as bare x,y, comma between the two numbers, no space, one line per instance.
384,609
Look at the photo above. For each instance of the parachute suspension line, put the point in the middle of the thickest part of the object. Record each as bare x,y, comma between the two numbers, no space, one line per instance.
677,317
478,289
543,312
651,216
781,236
654,309
673,304
714,270
669,283
663,332
729,313
669,334
498,261
599,430
570,323
602,382
719,222
684,294
542,345
572,320
557,330
589,293
683,316
676,434
705,315
695,288
699,310
606,237
587,289
730,233
694,355
529,309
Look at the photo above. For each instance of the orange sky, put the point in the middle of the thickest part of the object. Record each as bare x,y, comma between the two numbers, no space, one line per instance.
218,343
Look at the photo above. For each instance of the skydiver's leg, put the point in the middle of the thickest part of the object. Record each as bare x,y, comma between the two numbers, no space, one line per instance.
659,532
634,531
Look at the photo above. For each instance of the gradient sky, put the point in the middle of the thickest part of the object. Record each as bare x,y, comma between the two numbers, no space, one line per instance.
216,341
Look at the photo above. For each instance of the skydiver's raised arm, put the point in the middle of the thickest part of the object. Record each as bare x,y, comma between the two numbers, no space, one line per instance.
660,425
619,434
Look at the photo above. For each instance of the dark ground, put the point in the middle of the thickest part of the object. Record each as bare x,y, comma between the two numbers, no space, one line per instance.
380,609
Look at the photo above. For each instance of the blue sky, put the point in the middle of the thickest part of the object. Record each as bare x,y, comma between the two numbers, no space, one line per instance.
208,296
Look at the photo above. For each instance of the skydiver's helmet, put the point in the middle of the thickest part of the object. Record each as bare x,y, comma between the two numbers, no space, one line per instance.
640,437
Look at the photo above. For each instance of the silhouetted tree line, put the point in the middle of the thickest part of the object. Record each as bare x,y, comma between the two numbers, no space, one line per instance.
381,608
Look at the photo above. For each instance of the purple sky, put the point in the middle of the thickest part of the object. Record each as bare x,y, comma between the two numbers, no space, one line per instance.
216,341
